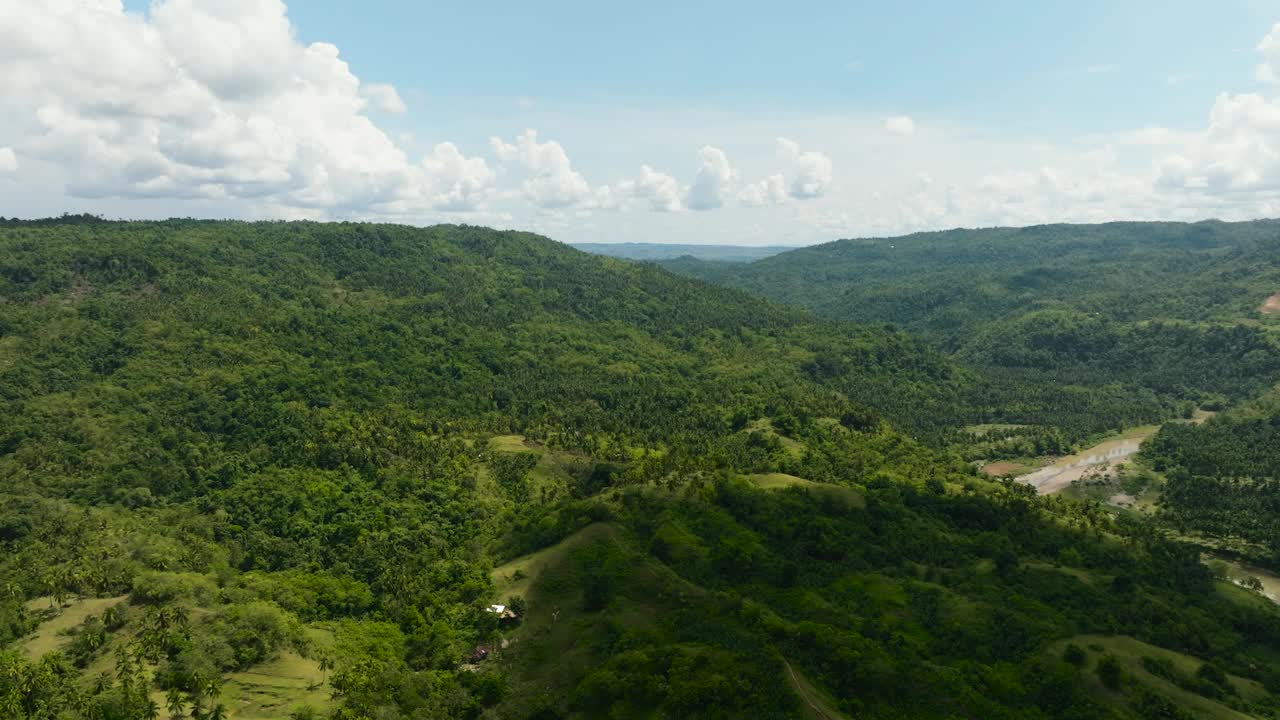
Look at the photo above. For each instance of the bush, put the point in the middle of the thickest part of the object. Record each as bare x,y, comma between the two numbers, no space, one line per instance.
252,633
1109,671
1074,654
159,588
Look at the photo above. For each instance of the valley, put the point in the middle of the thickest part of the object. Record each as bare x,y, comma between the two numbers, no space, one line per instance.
621,361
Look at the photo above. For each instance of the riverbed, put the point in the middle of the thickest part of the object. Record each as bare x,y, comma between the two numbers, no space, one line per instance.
1097,459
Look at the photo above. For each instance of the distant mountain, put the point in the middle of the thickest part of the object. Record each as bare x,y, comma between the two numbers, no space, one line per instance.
1159,313
663,251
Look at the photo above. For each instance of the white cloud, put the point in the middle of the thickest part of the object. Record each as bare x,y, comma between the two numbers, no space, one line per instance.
810,178
769,191
8,160
1269,70
714,180
1238,152
200,100
660,189
458,182
811,171
551,181
900,125
1100,69
384,98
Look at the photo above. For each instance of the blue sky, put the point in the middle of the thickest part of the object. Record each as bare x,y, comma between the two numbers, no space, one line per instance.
662,121
1017,64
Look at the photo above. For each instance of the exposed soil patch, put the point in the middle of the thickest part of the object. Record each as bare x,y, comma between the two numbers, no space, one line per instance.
1003,468
1272,305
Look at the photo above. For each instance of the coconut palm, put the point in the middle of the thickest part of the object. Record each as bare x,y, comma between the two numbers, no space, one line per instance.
176,703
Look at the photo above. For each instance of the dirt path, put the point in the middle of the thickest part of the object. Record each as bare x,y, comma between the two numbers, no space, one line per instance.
816,703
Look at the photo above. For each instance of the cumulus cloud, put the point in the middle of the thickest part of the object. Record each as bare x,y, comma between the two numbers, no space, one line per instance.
660,189
713,182
811,171
203,100
1269,70
8,160
1239,152
810,178
384,98
457,182
900,125
551,182
769,191
1229,169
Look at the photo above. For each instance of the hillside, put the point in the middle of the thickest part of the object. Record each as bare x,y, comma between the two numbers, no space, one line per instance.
1137,321
664,251
1223,483
284,469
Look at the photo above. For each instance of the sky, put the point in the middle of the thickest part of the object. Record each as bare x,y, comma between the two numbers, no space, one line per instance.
711,122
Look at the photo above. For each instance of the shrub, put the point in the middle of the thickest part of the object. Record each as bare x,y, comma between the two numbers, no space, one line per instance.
1109,671
158,588
1074,654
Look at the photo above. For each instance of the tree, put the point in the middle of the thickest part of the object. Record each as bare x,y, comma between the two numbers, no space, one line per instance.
1109,671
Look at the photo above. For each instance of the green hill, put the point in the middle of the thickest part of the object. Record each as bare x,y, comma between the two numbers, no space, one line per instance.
1081,327
285,469
665,251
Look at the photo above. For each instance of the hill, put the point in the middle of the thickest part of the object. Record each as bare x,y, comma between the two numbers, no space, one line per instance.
664,251
1136,321
285,469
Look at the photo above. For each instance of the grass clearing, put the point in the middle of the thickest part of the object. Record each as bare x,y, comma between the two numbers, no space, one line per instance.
779,481
50,634
509,443
274,689
1130,651
1004,468
791,446
516,577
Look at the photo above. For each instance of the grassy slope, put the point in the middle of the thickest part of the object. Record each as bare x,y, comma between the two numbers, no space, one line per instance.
51,635
779,481
274,689
1130,652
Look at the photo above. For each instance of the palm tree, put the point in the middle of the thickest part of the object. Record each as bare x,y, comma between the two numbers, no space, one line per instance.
177,704
326,664
219,712
151,711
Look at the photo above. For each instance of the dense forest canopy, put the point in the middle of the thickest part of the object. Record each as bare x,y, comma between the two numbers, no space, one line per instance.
1127,322
667,251
288,469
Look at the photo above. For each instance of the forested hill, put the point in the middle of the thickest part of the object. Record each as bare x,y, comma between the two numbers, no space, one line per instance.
947,283
458,324
667,251
1136,317
283,470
